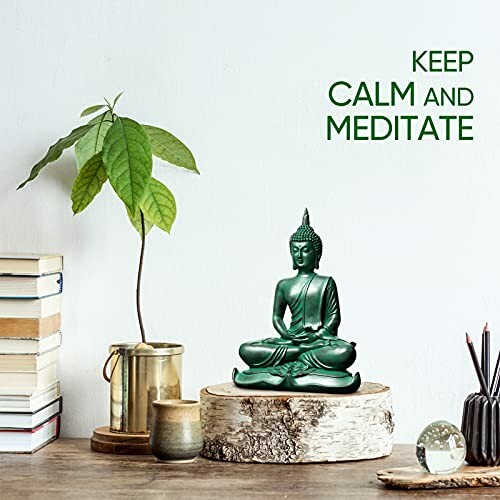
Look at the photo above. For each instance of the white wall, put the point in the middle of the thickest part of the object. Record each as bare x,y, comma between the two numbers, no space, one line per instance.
410,228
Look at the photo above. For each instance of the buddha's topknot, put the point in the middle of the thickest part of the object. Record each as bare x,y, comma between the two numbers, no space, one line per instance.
306,233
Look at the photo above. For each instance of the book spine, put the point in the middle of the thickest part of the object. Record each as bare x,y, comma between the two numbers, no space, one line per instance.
31,413
30,327
38,427
59,281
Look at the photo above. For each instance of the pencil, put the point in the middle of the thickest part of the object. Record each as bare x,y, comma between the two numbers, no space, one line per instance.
480,376
486,351
482,353
496,378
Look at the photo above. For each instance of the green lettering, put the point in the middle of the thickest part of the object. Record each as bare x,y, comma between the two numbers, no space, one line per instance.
471,96
448,60
331,123
378,102
416,60
462,61
447,119
358,127
408,119
402,94
431,98
462,127
362,95
451,99
373,126
433,60
330,93
432,131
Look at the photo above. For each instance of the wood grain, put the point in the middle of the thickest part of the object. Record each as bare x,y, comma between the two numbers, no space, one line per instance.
410,478
105,441
244,425
30,327
68,468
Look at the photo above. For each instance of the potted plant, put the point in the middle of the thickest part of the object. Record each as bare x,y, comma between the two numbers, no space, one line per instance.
119,149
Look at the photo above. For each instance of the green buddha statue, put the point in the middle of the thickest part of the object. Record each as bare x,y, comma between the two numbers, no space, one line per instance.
308,355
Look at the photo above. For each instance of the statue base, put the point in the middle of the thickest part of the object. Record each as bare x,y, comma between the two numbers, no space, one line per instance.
249,425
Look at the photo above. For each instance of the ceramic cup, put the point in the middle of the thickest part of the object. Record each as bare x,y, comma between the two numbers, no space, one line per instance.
176,435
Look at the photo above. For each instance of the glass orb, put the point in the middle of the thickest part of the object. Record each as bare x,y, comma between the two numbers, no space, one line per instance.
441,448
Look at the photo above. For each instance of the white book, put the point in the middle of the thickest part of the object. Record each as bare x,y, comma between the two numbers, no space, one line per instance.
31,287
31,402
29,441
28,362
30,308
25,383
30,420
30,264
15,345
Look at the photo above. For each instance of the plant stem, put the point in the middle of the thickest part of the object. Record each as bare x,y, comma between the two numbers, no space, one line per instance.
139,276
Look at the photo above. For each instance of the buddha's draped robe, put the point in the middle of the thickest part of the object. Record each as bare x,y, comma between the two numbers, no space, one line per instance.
316,306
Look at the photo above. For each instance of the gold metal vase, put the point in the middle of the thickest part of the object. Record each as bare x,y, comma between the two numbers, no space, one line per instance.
137,378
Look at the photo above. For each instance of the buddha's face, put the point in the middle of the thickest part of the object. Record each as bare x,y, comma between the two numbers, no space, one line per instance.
303,255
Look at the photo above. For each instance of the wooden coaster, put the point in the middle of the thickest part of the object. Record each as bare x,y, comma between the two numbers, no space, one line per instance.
120,443
414,478
250,425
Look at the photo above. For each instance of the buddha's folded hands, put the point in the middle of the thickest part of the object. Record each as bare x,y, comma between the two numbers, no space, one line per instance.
325,334
303,337
276,340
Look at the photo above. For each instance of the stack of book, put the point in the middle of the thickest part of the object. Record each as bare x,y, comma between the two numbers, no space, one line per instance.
30,336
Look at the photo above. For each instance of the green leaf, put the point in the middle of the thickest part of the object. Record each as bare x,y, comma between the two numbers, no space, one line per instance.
91,142
88,183
92,109
56,150
106,116
116,98
169,148
158,205
136,222
126,154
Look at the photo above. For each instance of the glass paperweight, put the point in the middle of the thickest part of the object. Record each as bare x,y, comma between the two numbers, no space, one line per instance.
441,448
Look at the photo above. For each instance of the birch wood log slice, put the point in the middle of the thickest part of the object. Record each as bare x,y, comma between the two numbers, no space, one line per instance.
248,425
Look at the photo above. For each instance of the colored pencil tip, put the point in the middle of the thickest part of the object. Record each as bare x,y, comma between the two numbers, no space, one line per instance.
486,328
467,338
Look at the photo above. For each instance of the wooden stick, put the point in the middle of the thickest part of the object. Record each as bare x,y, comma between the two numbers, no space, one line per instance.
480,376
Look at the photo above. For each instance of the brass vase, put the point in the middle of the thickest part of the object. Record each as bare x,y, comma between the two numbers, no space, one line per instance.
137,378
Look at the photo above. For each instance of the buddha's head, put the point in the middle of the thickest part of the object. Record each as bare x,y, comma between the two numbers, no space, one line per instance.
305,246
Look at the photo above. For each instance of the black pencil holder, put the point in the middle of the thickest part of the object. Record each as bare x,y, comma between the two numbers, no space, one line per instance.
481,429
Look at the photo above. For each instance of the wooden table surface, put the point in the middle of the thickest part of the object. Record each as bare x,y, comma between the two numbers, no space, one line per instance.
68,468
